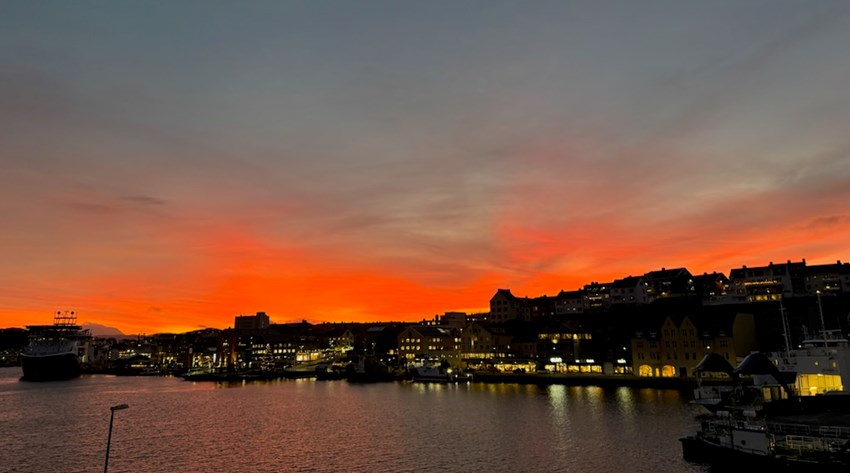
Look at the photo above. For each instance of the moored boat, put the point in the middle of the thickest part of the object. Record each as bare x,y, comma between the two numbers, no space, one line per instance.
438,374
367,369
762,421
820,365
800,442
330,371
55,352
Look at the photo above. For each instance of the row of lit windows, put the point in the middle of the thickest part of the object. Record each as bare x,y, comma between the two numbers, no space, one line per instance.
430,347
565,336
762,282
435,340
665,371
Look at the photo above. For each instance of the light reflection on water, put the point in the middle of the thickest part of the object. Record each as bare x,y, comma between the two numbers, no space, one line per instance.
308,425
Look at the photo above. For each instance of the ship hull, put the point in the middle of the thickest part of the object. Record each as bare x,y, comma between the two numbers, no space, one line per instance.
53,367
697,450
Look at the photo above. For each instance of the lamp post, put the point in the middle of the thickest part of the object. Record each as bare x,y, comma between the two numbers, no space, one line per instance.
109,438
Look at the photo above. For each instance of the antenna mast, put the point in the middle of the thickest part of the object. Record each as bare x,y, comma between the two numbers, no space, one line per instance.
785,329
822,323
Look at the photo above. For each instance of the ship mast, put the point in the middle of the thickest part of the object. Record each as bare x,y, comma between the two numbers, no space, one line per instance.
822,323
785,329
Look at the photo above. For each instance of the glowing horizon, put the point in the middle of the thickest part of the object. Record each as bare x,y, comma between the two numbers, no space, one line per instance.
185,321
327,161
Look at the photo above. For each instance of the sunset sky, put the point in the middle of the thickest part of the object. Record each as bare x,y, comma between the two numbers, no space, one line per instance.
168,165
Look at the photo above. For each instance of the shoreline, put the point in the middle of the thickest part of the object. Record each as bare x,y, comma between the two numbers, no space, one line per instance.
541,379
600,380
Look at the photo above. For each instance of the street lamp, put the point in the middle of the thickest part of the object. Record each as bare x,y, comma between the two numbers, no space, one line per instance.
109,438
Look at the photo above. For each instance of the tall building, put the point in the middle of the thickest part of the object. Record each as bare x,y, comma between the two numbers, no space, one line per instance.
251,322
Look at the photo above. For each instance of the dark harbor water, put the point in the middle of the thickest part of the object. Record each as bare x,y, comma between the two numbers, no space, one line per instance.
328,426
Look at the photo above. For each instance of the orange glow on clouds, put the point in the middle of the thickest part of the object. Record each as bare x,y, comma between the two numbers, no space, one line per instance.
232,273
144,268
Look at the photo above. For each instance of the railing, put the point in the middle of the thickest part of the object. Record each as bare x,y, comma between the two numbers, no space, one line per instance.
805,443
51,348
826,431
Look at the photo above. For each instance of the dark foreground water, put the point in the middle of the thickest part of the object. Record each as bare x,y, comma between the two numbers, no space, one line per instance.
174,425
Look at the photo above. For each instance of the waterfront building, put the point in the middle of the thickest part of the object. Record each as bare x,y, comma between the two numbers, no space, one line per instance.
339,338
483,341
166,350
566,347
229,355
379,340
525,346
199,349
428,342
98,352
672,345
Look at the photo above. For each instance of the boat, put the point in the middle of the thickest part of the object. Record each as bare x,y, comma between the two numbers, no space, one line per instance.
714,381
55,352
799,442
763,422
820,364
367,369
428,373
330,372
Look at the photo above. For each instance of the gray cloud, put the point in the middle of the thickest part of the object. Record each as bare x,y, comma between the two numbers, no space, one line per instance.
143,200
829,221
